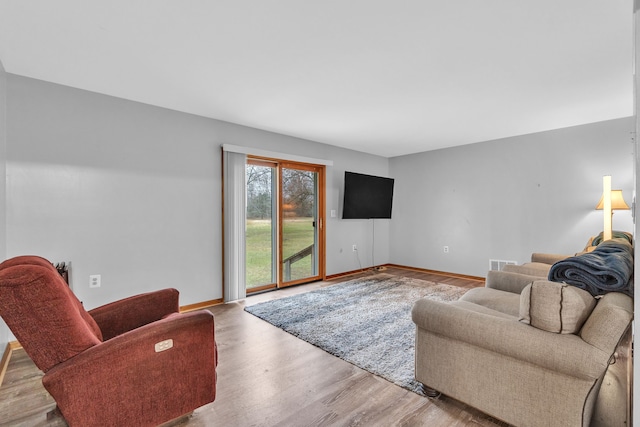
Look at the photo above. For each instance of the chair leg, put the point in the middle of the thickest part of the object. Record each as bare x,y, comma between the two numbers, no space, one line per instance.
430,392
54,413
177,421
55,416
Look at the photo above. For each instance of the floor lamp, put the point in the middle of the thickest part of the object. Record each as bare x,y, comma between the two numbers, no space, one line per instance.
611,200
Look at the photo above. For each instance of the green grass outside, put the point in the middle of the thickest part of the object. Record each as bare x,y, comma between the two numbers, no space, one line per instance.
298,234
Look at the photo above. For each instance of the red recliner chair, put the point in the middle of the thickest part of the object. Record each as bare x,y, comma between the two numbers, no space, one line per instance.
136,361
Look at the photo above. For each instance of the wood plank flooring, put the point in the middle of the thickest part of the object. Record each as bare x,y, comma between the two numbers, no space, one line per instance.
267,377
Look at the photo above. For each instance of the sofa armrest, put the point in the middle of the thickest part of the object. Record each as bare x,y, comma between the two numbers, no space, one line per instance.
130,313
548,258
144,386
608,321
509,281
564,353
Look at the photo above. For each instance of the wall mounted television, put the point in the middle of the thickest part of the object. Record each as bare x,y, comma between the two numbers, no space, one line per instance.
367,196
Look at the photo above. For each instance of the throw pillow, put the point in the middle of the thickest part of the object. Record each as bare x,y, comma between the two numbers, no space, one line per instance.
555,307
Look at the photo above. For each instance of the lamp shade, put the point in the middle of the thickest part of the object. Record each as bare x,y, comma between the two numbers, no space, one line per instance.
617,201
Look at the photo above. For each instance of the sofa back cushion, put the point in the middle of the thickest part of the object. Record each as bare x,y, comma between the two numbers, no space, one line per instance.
555,307
539,269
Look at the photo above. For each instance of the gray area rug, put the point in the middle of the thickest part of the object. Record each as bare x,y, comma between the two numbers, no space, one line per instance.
365,321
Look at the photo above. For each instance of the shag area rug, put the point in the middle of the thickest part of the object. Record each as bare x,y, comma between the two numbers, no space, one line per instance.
365,321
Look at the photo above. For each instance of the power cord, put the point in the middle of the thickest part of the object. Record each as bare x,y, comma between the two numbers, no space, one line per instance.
358,257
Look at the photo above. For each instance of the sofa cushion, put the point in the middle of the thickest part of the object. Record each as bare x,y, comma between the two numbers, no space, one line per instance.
531,268
494,299
555,307
509,281
470,306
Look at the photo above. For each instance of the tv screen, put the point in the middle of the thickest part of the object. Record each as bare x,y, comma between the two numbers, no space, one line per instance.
367,196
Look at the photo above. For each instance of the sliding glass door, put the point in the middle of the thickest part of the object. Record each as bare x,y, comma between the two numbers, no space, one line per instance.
284,227
261,225
299,244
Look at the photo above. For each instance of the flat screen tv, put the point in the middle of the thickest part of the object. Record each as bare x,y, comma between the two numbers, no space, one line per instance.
367,196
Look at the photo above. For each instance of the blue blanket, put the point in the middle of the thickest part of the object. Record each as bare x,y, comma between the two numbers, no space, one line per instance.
609,268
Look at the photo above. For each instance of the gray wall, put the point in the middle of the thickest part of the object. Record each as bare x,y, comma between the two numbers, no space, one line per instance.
133,192
4,331
507,198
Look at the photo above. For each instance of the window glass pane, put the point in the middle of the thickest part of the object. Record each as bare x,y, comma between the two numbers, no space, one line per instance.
260,235
299,216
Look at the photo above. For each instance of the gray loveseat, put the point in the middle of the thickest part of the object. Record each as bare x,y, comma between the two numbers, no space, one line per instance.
523,349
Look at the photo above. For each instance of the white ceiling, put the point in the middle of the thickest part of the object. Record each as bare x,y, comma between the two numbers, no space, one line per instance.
379,76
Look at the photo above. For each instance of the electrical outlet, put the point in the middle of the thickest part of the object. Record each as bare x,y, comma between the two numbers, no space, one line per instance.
94,281
445,249
354,248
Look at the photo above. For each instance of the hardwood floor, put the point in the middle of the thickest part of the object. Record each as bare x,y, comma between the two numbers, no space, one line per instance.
267,377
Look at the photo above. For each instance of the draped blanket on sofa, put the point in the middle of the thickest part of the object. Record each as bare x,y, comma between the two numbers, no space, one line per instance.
609,268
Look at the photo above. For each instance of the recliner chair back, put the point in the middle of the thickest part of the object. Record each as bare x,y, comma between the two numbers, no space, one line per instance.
43,313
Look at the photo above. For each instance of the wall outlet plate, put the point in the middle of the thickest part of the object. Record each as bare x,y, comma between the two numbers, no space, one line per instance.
95,281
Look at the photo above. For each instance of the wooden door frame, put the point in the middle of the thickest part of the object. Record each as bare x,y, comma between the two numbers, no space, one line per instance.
320,226
321,219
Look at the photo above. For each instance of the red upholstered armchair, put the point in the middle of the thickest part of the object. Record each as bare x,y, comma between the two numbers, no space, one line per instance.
136,361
